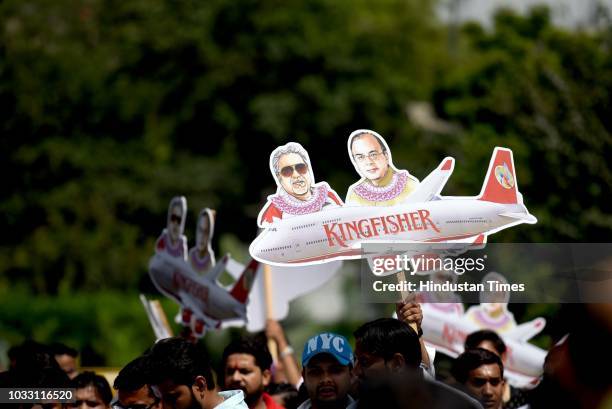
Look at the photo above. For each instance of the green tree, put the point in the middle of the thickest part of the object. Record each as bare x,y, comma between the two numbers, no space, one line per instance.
544,92
113,108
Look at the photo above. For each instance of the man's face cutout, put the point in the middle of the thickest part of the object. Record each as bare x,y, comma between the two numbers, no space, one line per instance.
174,225
293,174
494,301
203,231
370,157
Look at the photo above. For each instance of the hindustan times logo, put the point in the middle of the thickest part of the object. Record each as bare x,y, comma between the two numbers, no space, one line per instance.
385,265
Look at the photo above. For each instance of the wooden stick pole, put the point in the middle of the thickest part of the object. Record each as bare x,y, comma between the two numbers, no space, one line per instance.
156,305
269,297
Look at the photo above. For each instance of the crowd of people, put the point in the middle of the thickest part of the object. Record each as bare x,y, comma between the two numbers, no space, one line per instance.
387,367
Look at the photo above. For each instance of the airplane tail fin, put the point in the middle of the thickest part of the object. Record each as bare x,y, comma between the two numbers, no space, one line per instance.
241,289
500,183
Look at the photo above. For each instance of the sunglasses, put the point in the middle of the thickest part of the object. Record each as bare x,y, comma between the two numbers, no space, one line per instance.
175,218
300,168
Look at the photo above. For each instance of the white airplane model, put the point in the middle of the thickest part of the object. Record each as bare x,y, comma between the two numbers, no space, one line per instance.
337,233
204,303
446,331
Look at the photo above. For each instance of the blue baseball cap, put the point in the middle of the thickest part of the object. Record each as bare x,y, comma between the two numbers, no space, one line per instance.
328,343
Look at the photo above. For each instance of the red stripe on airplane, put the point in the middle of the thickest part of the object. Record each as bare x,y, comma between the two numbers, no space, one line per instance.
358,252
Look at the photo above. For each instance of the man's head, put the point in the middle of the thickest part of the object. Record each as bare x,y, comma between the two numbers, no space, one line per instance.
246,365
384,345
291,167
481,372
66,358
133,392
486,339
176,217
182,373
204,229
327,363
40,370
31,355
369,154
91,391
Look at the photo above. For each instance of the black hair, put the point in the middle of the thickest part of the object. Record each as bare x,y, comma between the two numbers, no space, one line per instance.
359,135
45,377
133,376
405,390
88,378
275,388
32,355
57,348
385,337
287,393
255,345
475,338
180,361
472,359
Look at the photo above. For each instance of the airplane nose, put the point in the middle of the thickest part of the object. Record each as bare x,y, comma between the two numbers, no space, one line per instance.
261,248
256,250
259,245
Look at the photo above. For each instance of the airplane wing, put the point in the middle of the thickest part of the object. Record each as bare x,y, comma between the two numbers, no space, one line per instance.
525,217
287,284
217,270
527,330
190,303
473,241
187,301
432,185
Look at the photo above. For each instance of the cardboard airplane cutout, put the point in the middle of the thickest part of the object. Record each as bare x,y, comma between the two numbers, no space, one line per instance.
204,303
447,326
446,331
423,217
